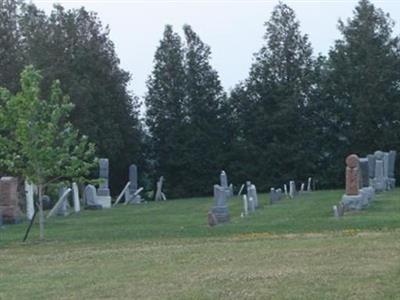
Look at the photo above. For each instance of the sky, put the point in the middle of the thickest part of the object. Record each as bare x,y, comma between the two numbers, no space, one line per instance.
233,29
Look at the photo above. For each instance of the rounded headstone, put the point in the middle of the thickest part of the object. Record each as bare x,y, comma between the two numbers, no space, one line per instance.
352,161
379,154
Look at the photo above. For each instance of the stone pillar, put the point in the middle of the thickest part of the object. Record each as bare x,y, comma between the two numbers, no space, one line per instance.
309,184
364,170
223,180
75,195
9,208
29,196
292,189
352,199
379,182
245,205
392,165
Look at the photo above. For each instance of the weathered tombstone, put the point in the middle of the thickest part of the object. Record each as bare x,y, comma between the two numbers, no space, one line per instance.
131,195
302,188
309,184
371,166
364,169
379,182
159,194
251,204
292,189
285,189
220,209
392,163
279,193
75,195
386,169
63,208
241,190
9,208
91,198
103,192
274,196
212,219
29,194
103,189
252,193
223,180
245,205
230,190
352,200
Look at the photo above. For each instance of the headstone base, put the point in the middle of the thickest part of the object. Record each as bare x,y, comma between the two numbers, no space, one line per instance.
378,185
221,213
353,202
104,201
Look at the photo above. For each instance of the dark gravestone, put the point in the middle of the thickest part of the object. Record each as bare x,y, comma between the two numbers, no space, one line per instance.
9,208
103,189
274,196
371,165
364,178
220,209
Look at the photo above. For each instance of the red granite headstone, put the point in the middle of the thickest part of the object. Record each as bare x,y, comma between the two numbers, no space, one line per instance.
352,175
9,199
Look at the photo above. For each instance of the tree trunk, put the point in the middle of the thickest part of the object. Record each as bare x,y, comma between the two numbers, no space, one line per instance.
41,214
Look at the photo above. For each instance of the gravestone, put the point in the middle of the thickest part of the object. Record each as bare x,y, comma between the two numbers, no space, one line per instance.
364,169
273,196
212,219
245,205
63,208
29,196
386,170
379,182
223,178
75,196
371,167
352,200
220,209
159,194
392,164
131,195
103,189
252,193
10,211
292,189
302,188
91,198
285,189
309,184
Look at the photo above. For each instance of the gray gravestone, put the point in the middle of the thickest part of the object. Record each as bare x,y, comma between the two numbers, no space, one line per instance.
379,181
386,169
90,196
392,164
103,189
63,208
292,189
252,193
133,179
309,184
274,196
364,165
371,165
220,209
223,180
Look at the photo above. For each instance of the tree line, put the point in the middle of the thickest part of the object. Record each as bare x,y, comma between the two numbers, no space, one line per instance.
296,115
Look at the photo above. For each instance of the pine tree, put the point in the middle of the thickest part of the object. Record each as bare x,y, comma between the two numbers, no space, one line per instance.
361,87
166,115
271,104
204,101
11,58
74,47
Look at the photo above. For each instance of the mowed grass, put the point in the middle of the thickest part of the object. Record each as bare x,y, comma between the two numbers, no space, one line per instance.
291,250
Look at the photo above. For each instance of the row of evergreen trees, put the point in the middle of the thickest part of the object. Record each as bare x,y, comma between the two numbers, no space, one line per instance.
296,115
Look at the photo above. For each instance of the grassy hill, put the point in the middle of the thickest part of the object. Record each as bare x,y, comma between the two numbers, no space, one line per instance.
291,250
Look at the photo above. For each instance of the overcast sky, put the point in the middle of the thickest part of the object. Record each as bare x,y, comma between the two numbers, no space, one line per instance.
233,29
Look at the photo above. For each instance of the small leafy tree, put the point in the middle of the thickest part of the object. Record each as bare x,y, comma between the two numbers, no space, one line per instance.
36,140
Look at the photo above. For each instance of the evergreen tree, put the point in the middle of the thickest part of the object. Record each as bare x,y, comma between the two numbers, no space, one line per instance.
166,115
361,88
73,46
204,101
11,58
271,105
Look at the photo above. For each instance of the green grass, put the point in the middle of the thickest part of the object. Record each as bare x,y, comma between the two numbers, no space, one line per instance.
291,250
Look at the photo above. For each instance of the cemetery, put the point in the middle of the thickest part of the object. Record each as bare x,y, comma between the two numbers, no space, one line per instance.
284,185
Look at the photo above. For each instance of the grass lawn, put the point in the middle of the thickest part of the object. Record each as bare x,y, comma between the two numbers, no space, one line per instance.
291,250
